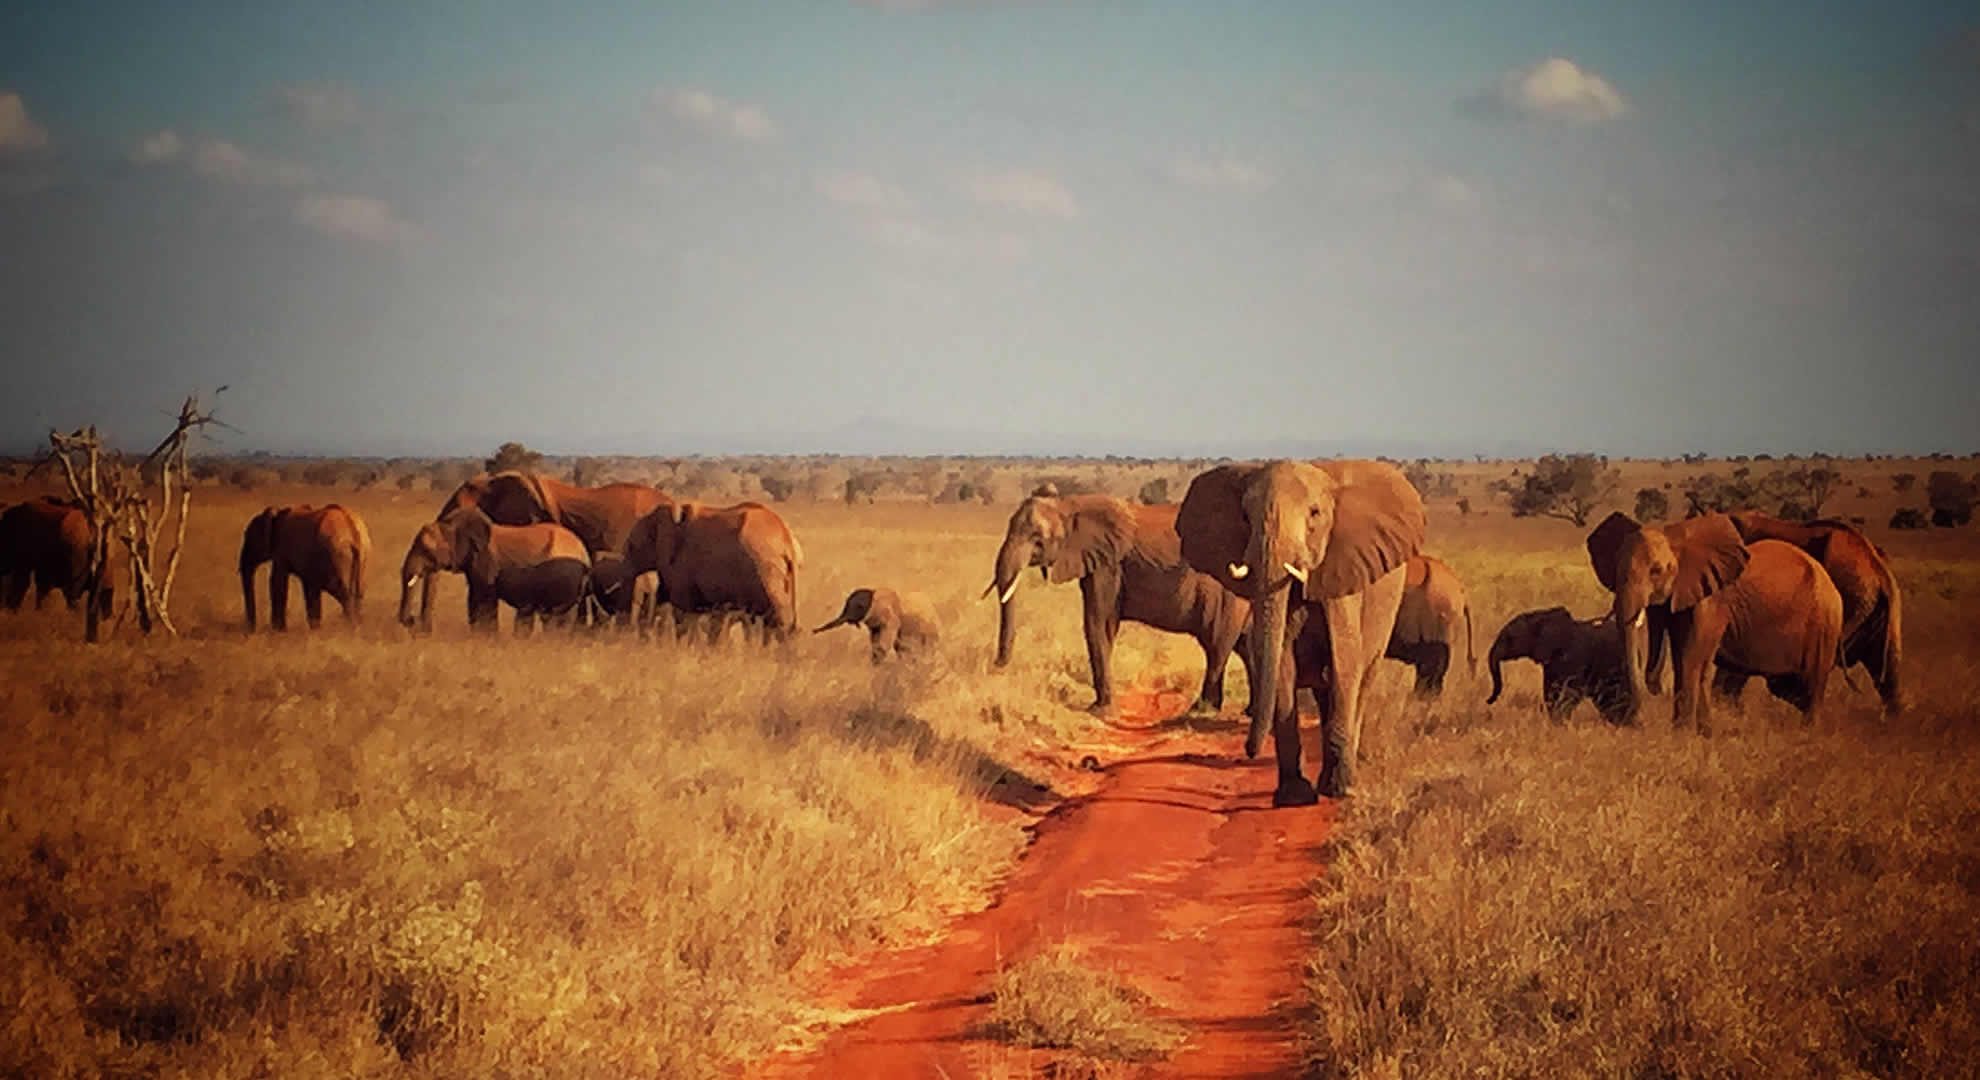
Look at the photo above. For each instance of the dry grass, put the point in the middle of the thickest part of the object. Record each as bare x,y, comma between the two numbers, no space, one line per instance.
1510,898
1055,998
358,854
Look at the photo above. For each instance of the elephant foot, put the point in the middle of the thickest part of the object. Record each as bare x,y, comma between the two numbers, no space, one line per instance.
1103,709
1294,791
1203,707
1252,745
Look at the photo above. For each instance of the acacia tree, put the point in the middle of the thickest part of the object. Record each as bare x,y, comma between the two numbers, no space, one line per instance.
1569,487
116,498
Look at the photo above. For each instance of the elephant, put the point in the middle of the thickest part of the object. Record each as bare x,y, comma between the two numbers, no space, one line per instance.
1873,610
1433,610
1319,550
1129,564
45,543
539,569
1579,658
901,623
1767,608
601,517
327,548
722,561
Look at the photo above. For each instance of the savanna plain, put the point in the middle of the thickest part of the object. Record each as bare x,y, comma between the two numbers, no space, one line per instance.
359,852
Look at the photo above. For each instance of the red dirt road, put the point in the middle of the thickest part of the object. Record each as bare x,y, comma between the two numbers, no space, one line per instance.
1176,873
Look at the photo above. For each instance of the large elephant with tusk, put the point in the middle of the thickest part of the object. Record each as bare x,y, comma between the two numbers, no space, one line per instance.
1318,549
1129,565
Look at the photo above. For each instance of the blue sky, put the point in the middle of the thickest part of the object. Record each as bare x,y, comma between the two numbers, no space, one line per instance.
1094,227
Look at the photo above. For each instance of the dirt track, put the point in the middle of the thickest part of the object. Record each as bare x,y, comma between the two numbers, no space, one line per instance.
1176,873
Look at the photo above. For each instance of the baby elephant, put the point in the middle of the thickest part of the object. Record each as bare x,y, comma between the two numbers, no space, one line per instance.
895,623
1578,658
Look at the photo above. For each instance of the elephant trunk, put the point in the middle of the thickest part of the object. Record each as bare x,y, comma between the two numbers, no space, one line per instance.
1267,642
1011,561
1630,619
425,603
406,599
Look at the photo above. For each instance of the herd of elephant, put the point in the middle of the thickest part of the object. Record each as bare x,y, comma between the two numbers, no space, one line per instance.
1309,571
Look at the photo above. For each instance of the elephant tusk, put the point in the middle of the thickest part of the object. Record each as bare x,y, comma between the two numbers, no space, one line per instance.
411,581
1008,592
1240,571
1298,574
1639,621
989,591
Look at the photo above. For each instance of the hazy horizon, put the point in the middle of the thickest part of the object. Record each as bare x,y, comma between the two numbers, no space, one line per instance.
1425,229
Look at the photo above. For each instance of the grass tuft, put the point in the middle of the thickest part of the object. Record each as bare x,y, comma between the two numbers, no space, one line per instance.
1055,999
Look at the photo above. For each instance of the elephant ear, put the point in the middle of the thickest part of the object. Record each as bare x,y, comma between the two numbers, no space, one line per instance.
1378,524
1710,556
1605,546
1098,534
1212,527
473,552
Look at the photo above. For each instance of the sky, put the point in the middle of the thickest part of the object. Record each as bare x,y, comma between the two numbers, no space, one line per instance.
1163,229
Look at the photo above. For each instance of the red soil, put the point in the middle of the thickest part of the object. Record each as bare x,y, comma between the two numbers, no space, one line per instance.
1176,873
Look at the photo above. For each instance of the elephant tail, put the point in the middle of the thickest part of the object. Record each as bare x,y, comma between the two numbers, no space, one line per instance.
1470,640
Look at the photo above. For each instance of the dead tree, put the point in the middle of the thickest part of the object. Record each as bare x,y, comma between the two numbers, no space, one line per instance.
116,498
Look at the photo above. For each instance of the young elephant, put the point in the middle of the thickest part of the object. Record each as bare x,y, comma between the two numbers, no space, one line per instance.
1434,609
621,593
895,623
1579,658
1765,609
512,564
326,548
45,543
1129,564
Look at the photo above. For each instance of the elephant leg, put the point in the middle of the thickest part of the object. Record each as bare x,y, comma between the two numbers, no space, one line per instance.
1692,654
1100,595
1659,629
1793,689
1730,684
278,597
1556,693
1431,664
312,605
1293,788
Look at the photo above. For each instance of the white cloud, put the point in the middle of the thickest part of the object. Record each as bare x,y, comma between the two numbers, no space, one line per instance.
218,159
1554,89
717,115
18,131
321,106
352,216
973,245
1448,192
1221,174
859,189
1028,191
158,148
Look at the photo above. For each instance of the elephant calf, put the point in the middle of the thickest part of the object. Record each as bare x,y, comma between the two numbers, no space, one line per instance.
1579,658
895,623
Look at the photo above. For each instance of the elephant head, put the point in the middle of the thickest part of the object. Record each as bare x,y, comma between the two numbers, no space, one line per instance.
1065,537
1328,530
458,542
656,538
1671,567
257,547
512,497
1544,636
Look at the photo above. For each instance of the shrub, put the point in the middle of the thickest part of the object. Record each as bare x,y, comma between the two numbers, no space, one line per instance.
1053,999
1909,517
512,455
1652,505
1951,498
1569,488
1155,492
